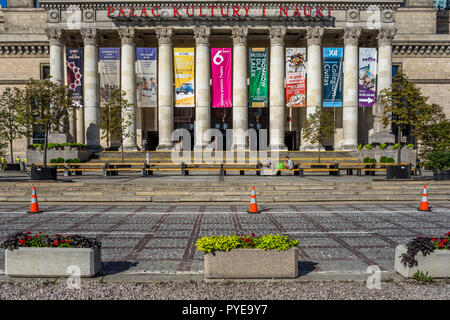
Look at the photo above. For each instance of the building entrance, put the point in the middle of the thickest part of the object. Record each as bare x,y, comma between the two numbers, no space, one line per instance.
184,119
222,119
258,119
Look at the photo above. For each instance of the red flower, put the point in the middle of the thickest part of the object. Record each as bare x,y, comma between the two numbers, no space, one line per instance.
36,236
433,239
55,242
441,245
247,240
40,232
21,241
242,238
57,235
251,244
444,240
29,238
28,232
253,234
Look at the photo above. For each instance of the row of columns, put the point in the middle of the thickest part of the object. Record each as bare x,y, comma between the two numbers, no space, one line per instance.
88,117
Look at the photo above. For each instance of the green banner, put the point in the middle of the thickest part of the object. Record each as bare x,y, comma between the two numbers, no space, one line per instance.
258,77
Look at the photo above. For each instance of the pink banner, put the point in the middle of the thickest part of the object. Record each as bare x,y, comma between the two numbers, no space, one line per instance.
221,77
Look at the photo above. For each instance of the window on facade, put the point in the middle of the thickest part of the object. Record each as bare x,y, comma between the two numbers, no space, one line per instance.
36,3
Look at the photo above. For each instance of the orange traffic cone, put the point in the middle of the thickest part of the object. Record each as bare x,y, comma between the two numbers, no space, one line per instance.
253,205
34,208
424,203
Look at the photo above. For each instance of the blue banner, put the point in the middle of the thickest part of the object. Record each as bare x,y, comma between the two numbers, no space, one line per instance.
109,69
146,78
332,77
3,4
74,65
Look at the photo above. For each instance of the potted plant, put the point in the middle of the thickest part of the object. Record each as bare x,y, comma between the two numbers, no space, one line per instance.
439,161
232,256
382,146
372,162
424,254
42,255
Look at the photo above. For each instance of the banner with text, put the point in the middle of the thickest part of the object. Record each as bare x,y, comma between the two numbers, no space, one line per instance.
184,77
295,77
332,77
109,69
367,76
258,69
74,65
146,66
221,77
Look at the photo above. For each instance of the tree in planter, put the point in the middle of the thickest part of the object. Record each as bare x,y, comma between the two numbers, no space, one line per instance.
13,121
116,119
319,127
438,160
436,137
48,105
404,105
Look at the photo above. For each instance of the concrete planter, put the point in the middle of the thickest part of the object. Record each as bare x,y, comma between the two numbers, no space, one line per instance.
251,264
36,156
436,264
51,262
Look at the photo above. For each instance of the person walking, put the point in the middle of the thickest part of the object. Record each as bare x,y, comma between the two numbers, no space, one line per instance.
147,157
144,145
3,162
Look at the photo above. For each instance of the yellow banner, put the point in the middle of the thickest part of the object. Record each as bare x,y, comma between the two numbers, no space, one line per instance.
184,77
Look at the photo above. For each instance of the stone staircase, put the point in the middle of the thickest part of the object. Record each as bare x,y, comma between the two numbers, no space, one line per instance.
191,191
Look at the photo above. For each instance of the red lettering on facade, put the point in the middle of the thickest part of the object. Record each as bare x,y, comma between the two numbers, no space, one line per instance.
121,12
236,11
329,11
175,11
143,12
110,10
212,10
246,10
153,11
201,12
132,12
221,11
296,12
264,11
187,11
310,11
283,10
319,11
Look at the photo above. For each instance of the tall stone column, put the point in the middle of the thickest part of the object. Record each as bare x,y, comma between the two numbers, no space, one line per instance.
313,77
350,99
202,92
165,87
91,89
128,84
384,80
277,91
240,92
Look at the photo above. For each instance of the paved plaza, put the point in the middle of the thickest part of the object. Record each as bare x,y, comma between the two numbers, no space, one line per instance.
159,239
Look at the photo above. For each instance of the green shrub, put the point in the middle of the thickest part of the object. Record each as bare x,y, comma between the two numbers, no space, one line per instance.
368,146
369,160
382,146
359,147
39,146
225,243
76,160
395,146
421,277
410,146
438,160
52,145
385,159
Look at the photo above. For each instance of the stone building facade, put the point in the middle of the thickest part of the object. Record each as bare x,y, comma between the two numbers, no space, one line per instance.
410,35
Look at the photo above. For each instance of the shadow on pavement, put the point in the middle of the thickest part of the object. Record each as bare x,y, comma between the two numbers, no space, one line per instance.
305,267
113,267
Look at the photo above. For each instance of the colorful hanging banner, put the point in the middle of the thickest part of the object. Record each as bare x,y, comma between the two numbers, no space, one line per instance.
74,65
146,77
295,77
184,77
109,69
258,69
332,77
367,76
221,77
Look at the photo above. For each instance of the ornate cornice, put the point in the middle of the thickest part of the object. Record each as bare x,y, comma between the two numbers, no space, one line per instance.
201,35
127,35
164,35
89,36
55,36
351,36
314,35
421,50
29,50
277,36
385,36
239,35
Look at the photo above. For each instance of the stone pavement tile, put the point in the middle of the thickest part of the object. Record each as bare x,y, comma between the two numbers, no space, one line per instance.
173,227
119,242
166,233
113,254
180,219
161,254
216,232
207,219
139,219
133,227
186,209
396,232
161,243
369,240
418,225
329,253
340,265
315,241
197,265
378,253
387,264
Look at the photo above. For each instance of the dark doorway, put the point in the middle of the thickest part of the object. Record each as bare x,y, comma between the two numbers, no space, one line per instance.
152,140
222,119
184,118
290,140
258,119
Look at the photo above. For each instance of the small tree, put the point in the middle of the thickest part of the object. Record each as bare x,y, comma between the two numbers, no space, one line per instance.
116,119
404,105
13,121
436,137
319,127
48,105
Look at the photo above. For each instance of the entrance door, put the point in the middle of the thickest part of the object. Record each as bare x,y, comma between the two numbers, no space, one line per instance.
290,140
152,140
258,119
184,118
222,119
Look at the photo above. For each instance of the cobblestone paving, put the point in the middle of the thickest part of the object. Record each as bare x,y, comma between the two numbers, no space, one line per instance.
160,238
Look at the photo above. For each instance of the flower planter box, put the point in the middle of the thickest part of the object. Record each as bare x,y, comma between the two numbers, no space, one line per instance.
251,264
44,173
437,263
51,262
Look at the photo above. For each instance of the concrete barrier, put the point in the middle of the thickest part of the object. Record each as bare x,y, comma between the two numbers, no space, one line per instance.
52,262
437,263
251,264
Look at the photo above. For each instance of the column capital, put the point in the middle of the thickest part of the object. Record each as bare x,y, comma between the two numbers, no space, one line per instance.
351,36
89,36
277,35
56,36
201,35
239,35
127,35
164,35
314,35
385,37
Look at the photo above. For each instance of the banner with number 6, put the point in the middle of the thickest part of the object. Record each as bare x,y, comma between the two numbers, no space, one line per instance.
221,77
